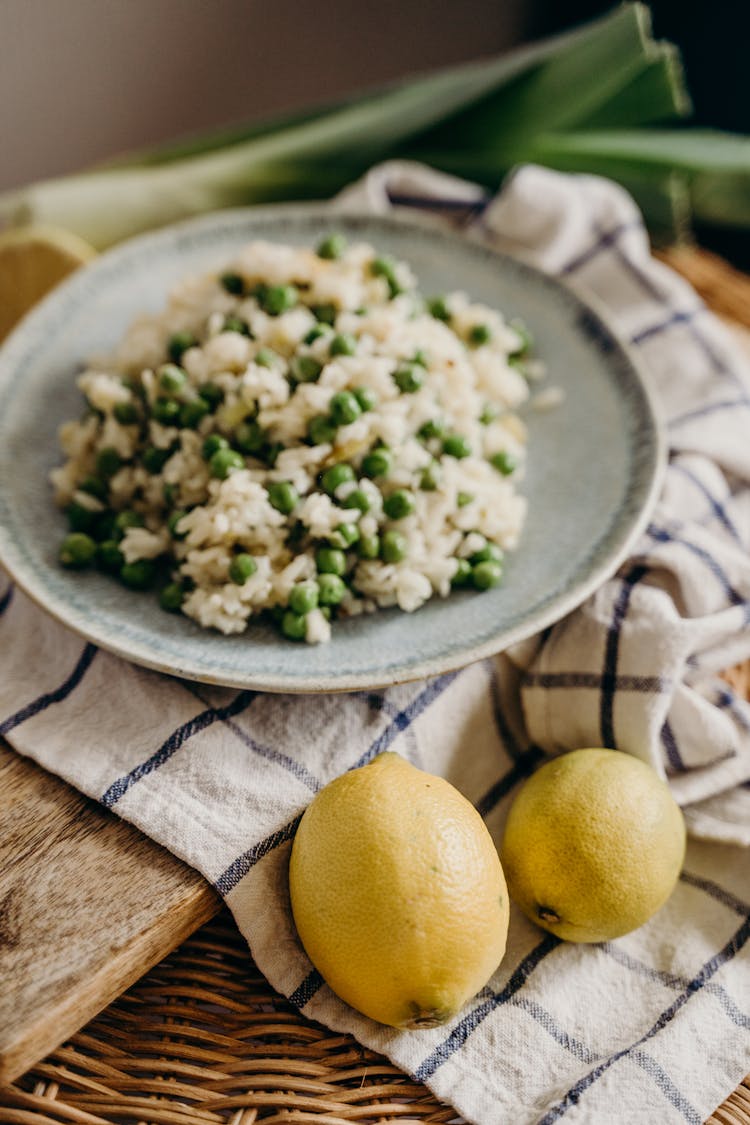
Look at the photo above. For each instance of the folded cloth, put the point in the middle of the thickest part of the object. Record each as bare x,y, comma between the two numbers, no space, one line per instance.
651,1027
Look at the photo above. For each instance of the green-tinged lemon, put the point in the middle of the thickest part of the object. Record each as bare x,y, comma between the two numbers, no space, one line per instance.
33,260
398,894
593,846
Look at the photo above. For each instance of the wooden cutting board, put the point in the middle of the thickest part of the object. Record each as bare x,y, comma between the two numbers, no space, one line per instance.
87,903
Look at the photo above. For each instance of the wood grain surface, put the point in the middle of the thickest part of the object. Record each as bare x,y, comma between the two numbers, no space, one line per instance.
87,905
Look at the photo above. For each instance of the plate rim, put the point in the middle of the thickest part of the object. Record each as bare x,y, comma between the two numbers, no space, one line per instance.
561,605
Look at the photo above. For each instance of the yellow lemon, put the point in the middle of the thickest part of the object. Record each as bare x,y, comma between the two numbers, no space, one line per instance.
593,845
33,259
398,894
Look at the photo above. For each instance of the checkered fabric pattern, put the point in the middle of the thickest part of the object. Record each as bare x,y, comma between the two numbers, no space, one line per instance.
652,1027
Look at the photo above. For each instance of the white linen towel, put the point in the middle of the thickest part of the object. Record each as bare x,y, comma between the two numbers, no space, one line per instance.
652,1027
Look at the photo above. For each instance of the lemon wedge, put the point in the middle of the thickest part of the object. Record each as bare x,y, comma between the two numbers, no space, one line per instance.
33,259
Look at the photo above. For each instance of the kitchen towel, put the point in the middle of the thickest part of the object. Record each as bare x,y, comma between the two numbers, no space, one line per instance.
654,1026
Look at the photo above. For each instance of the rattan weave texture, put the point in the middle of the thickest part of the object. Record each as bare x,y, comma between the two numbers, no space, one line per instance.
203,1040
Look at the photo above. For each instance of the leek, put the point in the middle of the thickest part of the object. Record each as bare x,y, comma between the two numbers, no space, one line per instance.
585,100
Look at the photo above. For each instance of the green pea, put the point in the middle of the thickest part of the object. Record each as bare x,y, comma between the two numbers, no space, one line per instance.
138,575
169,492
225,461
154,460
171,597
393,547
332,247
77,550
80,517
294,626
305,368
104,526
265,357
233,283
237,324
431,476
172,378
270,453
108,461
487,574
344,536
109,556
335,476
124,520
504,462
166,411
433,428
368,546
126,413
192,413
304,596
172,522
480,334
464,498
409,378
242,567
212,444
331,589
489,552
343,343
455,445
366,398
462,576
330,560
377,463
438,308
489,413
321,430
94,486
211,394
250,437
357,499
283,496
420,357
317,332
344,408
326,314
278,299
385,267
178,344
399,504
526,340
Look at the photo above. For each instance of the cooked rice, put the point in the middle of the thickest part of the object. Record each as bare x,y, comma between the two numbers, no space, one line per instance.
157,467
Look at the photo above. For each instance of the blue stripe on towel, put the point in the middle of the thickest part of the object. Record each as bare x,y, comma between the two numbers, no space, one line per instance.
7,598
57,696
661,535
476,1016
709,969
240,866
170,747
611,652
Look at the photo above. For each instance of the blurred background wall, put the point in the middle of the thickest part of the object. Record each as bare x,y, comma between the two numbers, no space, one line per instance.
82,80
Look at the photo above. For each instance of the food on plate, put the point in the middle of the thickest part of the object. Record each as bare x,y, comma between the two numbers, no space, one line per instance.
33,259
593,846
301,434
398,894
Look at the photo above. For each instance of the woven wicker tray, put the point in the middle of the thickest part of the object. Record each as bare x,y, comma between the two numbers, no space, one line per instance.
204,1040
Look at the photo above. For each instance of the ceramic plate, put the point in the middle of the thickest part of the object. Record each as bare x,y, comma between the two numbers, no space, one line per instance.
593,471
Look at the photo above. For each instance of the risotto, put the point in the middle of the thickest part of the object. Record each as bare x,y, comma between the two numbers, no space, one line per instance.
302,435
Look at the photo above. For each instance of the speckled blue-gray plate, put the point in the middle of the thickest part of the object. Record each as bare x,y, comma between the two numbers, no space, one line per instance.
594,466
